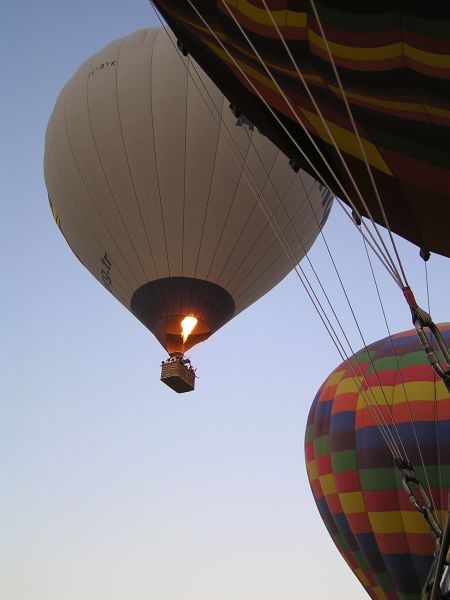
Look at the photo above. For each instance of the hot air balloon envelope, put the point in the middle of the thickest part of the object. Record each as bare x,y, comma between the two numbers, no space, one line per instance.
358,490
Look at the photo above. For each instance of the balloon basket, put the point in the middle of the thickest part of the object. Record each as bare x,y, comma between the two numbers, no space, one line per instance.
178,376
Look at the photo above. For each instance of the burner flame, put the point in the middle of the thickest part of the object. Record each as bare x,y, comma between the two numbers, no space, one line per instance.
187,326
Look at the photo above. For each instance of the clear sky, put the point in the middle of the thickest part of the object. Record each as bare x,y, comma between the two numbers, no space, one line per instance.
111,485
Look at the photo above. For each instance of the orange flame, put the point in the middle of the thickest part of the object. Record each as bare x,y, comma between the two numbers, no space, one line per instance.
187,326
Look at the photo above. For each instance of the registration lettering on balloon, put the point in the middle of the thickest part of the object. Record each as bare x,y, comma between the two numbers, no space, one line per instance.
106,271
109,63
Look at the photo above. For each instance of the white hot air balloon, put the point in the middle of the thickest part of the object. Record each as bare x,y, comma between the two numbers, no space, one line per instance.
157,186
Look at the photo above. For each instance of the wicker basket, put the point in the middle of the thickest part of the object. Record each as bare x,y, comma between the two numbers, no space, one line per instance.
177,376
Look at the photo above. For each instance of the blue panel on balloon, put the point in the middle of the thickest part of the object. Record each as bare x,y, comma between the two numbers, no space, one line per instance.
343,421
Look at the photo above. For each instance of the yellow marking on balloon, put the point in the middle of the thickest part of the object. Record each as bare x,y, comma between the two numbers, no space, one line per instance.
328,484
348,142
187,326
362,577
258,15
379,594
397,522
386,52
311,468
352,502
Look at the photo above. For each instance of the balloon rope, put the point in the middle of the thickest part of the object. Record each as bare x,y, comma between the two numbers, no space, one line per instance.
436,410
311,139
372,405
355,129
399,371
349,305
330,134
394,274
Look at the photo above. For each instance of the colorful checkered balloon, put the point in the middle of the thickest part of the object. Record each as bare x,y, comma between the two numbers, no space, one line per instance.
357,488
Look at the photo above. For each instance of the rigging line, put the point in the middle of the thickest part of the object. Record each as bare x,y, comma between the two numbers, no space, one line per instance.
255,244
351,309
397,361
322,313
267,173
275,116
370,404
316,303
436,406
438,451
374,250
355,129
428,287
306,254
300,122
332,138
225,126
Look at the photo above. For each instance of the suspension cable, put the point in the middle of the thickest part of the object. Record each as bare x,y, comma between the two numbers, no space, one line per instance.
330,134
399,371
394,273
378,416
311,139
404,465
355,129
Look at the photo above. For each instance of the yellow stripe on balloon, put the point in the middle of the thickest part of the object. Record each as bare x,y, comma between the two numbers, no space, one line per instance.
349,385
427,58
411,107
348,142
359,54
397,521
259,15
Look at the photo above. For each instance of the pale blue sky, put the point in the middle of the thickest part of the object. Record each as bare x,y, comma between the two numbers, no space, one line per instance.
112,486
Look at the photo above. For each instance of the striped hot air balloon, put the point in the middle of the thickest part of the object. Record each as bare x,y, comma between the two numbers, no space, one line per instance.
357,488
